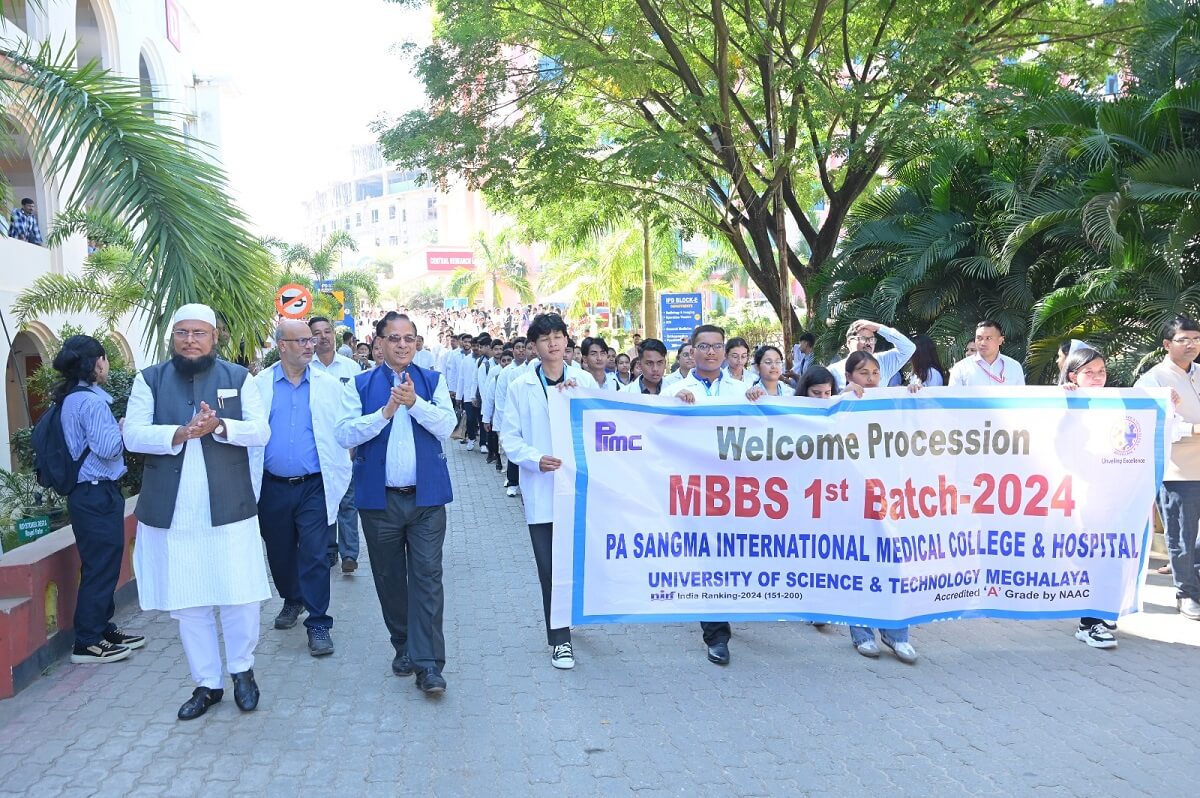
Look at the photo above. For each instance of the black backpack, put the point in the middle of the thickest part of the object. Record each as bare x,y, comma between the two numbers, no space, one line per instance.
52,463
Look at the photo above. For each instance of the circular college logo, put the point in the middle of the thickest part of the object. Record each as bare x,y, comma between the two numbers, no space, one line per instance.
1126,435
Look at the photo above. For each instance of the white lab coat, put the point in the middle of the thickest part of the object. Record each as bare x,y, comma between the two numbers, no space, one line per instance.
525,436
329,401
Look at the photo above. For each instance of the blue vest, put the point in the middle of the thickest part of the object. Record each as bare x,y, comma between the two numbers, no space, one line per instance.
370,459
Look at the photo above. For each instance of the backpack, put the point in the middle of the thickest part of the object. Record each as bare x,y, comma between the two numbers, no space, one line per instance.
52,463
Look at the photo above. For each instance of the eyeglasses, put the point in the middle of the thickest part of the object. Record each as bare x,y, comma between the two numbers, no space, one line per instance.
1187,341
398,339
183,335
709,347
861,339
771,363
302,341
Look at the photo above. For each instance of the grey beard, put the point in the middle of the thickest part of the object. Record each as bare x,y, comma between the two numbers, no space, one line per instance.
191,366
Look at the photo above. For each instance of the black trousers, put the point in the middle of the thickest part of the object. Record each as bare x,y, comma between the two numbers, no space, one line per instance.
97,513
404,542
514,475
295,528
473,425
715,632
493,444
542,538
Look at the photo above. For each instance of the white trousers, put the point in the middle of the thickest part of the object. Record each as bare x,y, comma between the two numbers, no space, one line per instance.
198,632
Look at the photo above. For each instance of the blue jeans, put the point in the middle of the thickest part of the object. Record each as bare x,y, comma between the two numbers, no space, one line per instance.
861,634
1179,504
347,525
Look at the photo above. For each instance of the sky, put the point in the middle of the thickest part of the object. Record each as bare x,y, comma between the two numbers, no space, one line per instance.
303,81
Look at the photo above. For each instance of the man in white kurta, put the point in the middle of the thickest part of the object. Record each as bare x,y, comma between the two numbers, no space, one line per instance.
191,566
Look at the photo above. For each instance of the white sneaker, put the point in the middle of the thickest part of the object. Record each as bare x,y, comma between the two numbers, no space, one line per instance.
483,450
868,648
511,492
563,657
470,446
1097,636
903,651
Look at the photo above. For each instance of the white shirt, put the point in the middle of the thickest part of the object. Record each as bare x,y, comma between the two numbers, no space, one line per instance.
783,388
525,436
723,385
801,361
974,372
424,358
466,378
450,371
487,392
436,416
890,361
341,367
672,378
503,382
636,387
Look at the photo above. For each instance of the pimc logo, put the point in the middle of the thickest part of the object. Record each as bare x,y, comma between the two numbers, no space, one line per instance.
1126,435
607,439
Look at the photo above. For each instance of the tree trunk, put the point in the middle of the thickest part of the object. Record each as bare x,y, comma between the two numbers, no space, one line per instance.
649,300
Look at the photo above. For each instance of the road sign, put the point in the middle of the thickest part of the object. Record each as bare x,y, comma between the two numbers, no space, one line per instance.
679,314
293,301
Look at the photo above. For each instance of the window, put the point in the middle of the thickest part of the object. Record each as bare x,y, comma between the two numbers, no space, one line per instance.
404,214
1112,85
431,208
392,212
358,220
347,222
374,216
393,241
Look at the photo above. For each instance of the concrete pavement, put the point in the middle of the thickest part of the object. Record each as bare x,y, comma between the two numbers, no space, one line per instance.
992,708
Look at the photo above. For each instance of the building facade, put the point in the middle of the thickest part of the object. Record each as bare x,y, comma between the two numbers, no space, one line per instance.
150,41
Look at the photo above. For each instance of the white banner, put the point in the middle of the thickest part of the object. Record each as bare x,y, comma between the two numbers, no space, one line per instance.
893,508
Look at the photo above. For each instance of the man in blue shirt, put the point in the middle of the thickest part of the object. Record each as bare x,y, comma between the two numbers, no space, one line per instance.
23,223
305,474
96,506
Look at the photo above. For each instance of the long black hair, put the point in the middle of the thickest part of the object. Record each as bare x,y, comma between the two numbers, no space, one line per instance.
926,360
76,362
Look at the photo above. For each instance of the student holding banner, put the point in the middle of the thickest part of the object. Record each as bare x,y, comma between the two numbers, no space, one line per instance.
525,435
708,346
863,374
768,360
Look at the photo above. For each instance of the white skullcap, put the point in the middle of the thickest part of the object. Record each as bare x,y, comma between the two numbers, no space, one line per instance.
1076,345
195,312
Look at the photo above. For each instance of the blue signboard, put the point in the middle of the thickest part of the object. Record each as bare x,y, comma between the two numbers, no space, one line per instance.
326,287
679,314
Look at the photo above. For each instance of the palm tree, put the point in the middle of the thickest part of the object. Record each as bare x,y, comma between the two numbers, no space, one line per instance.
125,164
499,269
606,267
304,265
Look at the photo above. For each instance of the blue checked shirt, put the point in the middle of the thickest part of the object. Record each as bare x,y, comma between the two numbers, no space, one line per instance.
88,419
25,227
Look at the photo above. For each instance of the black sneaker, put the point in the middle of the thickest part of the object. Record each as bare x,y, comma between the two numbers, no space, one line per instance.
103,651
320,644
402,665
288,616
119,638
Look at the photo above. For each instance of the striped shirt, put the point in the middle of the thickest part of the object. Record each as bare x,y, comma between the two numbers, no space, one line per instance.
87,419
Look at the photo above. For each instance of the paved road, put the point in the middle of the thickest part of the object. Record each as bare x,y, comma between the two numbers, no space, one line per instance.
993,708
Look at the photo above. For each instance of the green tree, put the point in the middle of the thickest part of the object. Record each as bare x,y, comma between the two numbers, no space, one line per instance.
738,116
303,265
95,131
498,269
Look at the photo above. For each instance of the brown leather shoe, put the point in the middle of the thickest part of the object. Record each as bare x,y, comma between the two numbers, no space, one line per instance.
349,566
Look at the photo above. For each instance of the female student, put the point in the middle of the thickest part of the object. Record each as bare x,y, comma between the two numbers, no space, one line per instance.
769,362
737,355
817,382
1086,368
624,370
862,374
